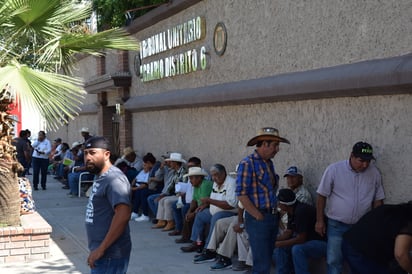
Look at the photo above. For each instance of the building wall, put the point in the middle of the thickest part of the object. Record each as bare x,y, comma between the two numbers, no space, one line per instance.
86,68
320,132
269,38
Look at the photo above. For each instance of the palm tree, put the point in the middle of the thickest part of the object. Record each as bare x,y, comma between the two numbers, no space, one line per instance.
39,41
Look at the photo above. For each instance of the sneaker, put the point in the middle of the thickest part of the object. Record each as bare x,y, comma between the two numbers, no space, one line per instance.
134,216
241,266
206,256
192,248
142,218
222,263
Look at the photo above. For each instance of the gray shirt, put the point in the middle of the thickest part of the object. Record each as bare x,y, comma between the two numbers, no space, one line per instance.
109,189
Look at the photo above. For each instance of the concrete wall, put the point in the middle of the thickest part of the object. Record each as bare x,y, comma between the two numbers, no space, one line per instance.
272,37
320,131
268,38
86,68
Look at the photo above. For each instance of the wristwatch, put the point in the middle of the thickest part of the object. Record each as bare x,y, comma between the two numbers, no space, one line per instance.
242,225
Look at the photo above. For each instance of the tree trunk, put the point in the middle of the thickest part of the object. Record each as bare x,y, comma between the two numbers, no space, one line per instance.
9,196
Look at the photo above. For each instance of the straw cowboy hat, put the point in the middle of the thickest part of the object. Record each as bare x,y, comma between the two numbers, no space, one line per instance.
176,157
127,151
76,144
267,134
193,171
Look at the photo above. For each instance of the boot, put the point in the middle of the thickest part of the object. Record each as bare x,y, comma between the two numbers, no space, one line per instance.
160,224
169,226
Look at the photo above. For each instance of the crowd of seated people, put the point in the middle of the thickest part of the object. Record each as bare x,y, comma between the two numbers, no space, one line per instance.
209,216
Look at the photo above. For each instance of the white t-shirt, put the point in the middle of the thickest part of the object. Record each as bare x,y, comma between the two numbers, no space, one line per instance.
142,177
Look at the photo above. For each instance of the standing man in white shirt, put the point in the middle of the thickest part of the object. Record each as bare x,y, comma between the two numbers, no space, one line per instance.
40,160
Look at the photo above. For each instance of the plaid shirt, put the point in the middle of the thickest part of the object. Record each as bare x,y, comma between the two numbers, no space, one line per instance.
254,181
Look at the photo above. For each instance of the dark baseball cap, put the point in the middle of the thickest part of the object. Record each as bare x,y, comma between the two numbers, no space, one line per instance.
97,142
363,150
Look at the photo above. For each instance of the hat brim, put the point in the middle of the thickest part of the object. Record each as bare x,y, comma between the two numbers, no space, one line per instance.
195,174
175,160
292,174
364,157
258,138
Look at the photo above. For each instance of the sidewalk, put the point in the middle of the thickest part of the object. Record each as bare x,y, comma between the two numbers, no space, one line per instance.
153,251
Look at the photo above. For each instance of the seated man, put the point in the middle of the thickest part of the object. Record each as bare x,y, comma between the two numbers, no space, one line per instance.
58,162
166,199
162,177
381,241
294,179
221,203
55,155
71,160
141,188
201,189
73,177
180,210
300,228
223,242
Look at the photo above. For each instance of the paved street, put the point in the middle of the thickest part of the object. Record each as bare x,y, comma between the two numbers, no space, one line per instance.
153,251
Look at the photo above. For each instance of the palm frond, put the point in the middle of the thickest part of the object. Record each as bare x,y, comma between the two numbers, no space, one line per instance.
57,97
62,50
38,40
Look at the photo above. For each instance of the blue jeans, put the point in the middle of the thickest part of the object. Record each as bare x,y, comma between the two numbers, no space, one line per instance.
110,266
283,260
202,219
359,264
314,249
40,165
152,204
262,237
179,215
60,170
334,257
73,180
139,200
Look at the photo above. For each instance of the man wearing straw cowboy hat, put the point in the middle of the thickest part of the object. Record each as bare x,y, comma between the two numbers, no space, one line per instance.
85,132
167,197
256,190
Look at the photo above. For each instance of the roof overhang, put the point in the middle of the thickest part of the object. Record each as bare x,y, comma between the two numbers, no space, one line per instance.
108,82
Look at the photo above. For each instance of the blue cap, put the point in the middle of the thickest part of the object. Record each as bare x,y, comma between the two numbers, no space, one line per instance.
293,171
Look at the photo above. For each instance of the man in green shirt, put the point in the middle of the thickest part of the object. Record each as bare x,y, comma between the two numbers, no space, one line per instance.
201,189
